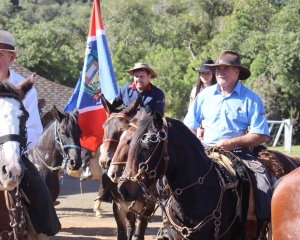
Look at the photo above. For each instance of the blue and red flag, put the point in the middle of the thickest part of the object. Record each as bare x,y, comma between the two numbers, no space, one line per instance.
97,77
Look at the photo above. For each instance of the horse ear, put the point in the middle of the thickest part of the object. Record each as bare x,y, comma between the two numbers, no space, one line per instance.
26,85
131,109
157,121
107,105
57,114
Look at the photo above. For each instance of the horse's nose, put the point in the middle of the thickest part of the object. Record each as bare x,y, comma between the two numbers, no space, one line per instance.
15,170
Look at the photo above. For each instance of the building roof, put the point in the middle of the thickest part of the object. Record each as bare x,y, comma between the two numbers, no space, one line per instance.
53,93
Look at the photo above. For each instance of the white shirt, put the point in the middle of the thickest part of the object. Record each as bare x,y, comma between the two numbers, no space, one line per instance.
33,124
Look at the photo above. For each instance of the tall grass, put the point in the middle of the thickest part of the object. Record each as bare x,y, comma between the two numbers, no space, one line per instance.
295,150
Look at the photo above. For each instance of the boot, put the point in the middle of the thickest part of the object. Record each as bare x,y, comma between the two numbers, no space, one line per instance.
106,196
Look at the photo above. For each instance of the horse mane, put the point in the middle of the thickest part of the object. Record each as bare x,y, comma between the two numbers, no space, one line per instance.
72,119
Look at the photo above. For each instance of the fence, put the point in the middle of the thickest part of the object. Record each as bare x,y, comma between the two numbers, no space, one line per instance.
288,130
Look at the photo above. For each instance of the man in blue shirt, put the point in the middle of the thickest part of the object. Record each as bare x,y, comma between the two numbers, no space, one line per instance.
235,121
153,99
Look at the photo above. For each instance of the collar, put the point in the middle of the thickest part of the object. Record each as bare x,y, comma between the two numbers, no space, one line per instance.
236,89
133,86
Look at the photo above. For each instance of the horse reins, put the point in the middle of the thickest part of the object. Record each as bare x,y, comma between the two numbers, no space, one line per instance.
143,167
114,115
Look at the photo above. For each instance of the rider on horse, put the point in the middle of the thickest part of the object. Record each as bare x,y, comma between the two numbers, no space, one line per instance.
229,109
42,215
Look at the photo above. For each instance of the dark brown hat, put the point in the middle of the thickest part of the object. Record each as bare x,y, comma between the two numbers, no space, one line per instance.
230,58
203,68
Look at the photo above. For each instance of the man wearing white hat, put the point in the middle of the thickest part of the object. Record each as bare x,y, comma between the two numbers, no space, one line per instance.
42,215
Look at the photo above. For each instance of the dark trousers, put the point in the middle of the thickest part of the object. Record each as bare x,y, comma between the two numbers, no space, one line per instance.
42,212
261,184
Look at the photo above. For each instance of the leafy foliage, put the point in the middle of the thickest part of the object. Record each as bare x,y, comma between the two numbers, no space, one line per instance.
172,36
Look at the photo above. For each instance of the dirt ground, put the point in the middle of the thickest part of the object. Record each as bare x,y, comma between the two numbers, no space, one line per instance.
78,220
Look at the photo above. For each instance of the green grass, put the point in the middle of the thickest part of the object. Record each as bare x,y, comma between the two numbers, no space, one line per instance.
295,150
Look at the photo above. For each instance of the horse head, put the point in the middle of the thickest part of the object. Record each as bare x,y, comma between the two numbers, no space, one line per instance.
144,151
67,135
113,127
13,136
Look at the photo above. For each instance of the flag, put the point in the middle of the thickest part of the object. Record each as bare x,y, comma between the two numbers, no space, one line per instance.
97,77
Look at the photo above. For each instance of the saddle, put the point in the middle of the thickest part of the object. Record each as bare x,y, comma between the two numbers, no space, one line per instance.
269,161
221,158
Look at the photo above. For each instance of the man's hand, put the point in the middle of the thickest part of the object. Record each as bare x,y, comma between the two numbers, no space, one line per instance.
226,145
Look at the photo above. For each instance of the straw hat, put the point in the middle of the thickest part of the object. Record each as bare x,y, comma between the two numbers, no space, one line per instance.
230,58
142,66
7,42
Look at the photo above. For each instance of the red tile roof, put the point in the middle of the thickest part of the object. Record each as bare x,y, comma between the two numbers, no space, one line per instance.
53,93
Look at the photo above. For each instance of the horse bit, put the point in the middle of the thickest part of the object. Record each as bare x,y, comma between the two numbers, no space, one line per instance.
143,167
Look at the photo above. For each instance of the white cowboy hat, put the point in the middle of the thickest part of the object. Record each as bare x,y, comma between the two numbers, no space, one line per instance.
142,66
7,42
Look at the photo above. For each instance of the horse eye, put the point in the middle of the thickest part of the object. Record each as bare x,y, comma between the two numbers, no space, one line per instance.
128,142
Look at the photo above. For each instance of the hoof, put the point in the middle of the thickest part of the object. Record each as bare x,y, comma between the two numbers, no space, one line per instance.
99,214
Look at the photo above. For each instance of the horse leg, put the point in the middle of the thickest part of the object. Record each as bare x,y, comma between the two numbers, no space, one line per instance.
142,223
120,215
86,156
97,203
130,224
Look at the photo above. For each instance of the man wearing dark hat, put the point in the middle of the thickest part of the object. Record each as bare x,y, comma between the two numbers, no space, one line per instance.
42,214
153,100
229,110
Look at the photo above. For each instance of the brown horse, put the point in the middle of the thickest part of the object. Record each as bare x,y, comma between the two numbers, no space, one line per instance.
277,163
285,207
124,211
14,180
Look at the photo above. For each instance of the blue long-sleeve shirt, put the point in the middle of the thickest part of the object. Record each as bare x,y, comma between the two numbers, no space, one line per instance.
153,99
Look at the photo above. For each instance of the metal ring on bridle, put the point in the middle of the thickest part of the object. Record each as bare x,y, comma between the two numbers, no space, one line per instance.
200,180
164,136
178,191
143,166
152,137
152,174
185,232
215,213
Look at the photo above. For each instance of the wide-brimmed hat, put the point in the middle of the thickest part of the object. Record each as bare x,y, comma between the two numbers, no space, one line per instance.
204,68
142,66
230,58
7,42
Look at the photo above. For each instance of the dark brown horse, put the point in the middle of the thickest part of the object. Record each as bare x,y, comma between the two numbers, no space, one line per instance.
206,203
124,211
13,183
285,207
57,149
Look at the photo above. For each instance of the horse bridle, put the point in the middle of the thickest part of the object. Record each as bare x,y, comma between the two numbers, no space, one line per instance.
57,138
118,115
15,137
143,167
